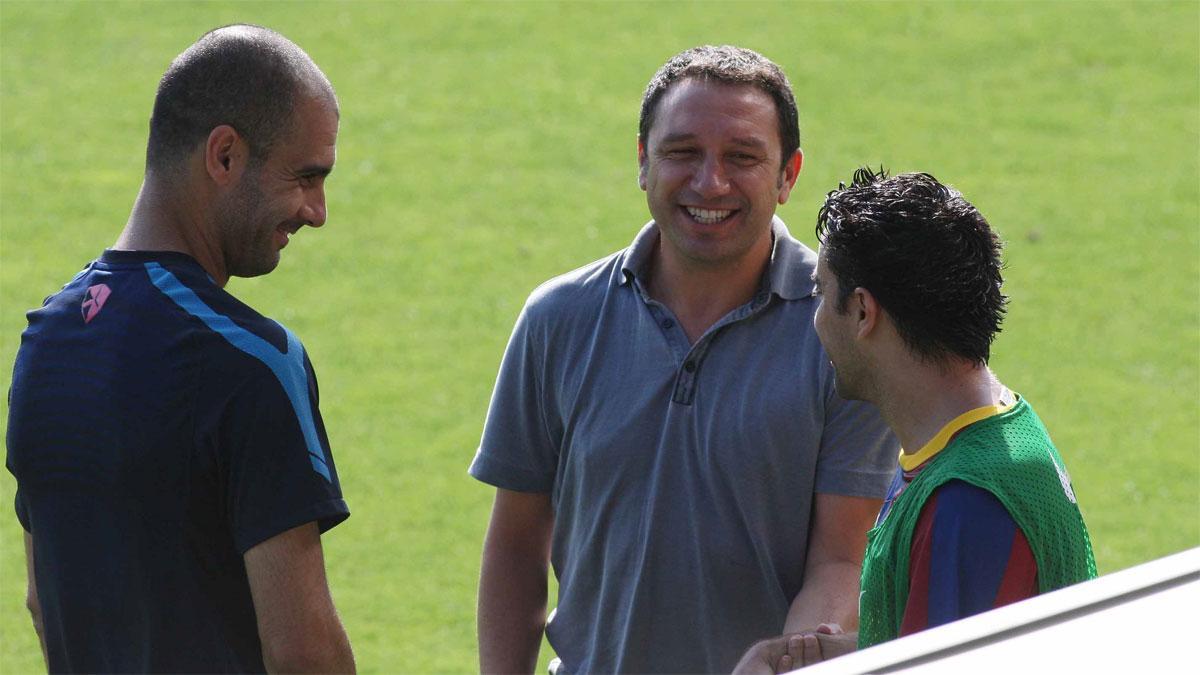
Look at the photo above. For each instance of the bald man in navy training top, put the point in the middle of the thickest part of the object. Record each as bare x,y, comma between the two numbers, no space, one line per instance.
173,472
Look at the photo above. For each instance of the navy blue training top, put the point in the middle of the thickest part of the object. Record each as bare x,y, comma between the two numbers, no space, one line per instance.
158,428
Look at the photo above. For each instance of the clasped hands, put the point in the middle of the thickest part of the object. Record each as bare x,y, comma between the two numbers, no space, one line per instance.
796,650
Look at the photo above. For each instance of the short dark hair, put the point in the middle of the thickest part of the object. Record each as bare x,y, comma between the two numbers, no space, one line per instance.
729,65
246,76
925,253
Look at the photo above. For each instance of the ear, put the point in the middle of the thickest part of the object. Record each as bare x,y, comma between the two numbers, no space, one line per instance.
787,177
642,164
225,155
867,312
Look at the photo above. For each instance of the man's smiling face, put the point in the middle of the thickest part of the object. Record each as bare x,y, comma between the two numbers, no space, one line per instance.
712,172
283,193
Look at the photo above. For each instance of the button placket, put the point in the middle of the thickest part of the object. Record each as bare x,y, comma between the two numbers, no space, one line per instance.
685,380
672,333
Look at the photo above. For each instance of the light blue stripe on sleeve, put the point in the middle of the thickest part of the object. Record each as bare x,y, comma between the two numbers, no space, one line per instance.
288,368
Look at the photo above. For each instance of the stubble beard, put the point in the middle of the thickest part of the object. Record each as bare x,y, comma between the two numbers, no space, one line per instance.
731,249
248,238
844,390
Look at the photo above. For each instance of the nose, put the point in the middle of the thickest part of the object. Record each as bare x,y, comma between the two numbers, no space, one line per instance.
710,179
314,211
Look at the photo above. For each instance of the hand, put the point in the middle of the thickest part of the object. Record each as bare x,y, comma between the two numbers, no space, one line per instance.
834,641
769,657
780,655
789,652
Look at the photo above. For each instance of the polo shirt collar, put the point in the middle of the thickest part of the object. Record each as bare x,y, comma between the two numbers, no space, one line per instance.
789,273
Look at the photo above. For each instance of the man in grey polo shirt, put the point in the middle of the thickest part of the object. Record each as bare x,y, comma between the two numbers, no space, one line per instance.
664,429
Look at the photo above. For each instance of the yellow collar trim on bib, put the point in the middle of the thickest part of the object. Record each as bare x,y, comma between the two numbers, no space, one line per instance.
939,442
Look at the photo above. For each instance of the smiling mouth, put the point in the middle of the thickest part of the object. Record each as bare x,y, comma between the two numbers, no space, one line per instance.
709,216
285,232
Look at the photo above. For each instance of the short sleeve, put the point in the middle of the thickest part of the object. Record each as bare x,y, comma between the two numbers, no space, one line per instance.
519,450
967,556
858,451
274,481
22,510
18,499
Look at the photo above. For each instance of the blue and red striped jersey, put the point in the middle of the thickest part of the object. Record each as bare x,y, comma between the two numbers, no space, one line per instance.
967,554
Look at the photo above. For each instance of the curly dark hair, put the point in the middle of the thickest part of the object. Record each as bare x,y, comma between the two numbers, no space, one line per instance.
246,76
925,253
729,65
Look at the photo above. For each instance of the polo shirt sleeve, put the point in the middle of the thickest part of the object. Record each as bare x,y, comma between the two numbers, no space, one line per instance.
271,481
858,452
518,450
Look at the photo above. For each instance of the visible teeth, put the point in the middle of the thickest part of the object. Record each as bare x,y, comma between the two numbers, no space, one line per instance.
709,216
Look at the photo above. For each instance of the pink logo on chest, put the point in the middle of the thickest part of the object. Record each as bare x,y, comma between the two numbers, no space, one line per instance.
94,301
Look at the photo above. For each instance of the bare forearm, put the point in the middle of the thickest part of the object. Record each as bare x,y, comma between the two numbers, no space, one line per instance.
31,598
338,660
325,650
298,624
35,613
512,613
340,656
829,595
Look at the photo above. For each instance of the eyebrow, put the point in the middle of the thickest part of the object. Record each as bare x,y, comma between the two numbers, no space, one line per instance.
319,170
750,142
676,138
743,141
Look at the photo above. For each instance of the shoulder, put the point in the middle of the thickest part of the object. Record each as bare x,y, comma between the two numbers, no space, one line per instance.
792,265
1007,449
238,350
218,311
965,519
961,521
66,300
577,292
961,501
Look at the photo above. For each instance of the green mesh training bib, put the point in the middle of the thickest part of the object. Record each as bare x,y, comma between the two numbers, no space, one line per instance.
1011,456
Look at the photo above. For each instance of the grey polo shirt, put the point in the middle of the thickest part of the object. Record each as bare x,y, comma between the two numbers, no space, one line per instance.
682,476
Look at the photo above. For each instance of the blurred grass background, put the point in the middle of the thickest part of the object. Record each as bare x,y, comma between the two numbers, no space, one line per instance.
485,147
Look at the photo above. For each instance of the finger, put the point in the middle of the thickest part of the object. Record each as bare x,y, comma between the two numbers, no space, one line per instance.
795,650
785,665
830,629
812,650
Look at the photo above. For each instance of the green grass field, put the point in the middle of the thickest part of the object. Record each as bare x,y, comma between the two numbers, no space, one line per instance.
487,147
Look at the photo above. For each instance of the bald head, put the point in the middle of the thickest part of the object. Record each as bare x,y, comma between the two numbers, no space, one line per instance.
248,77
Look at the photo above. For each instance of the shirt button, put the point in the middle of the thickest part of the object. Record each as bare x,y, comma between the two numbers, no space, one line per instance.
668,324
689,366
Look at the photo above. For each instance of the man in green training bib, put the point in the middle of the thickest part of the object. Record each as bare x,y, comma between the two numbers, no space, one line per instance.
981,512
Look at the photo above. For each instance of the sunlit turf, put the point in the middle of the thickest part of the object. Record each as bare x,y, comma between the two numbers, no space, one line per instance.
487,147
